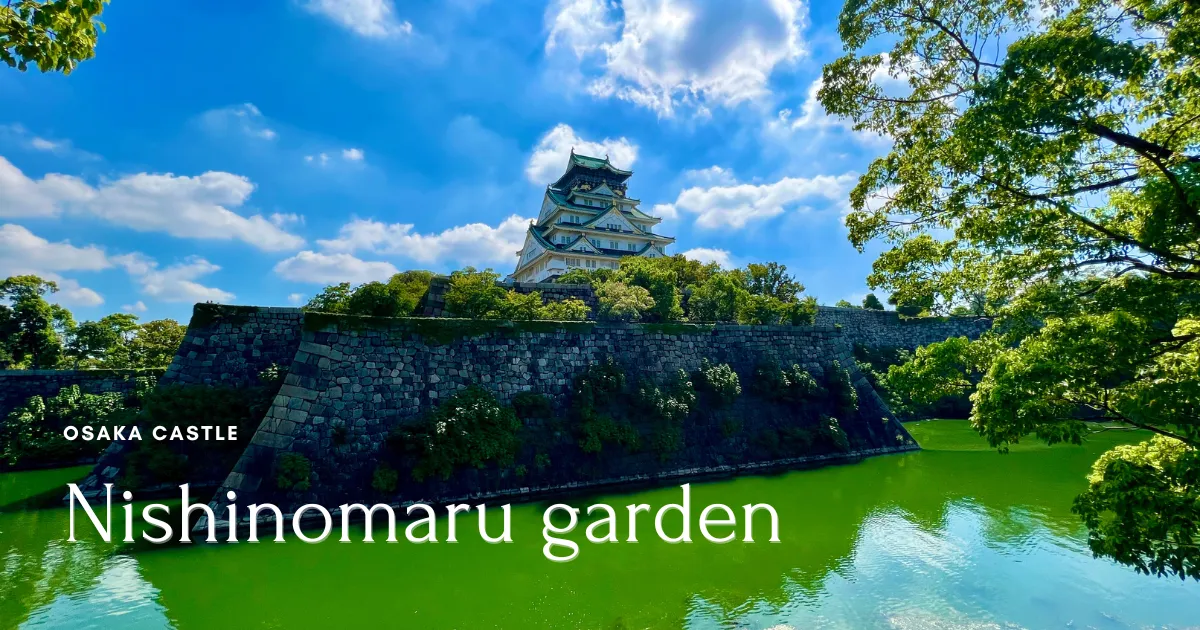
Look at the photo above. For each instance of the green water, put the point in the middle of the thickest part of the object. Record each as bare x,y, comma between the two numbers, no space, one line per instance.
955,536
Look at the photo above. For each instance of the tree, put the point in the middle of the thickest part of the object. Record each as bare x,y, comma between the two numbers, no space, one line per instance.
870,302
474,294
1052,165
32,326
334,298
54,36
156,343
845,304
718,299
621,302
772,280
104,342
660,277
568,310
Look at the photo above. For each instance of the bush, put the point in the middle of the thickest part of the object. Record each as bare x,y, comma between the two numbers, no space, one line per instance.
718,299
669,406
469,429
474,294
153,464
660,279
293,471
568,310
842,389
791,385
834,435
384,479
871,302
32,434
597,430
400,296
621,302
518,307
719,380
586,276
530,405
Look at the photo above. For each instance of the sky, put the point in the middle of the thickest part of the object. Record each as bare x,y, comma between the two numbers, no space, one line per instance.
253,152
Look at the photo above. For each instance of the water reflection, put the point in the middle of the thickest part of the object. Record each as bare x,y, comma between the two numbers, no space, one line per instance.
944,538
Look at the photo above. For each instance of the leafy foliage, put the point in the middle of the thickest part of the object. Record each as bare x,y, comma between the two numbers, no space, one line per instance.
529,405
842,389
33,432
718,380
568,310
870,302
384,479
469,429
293,471
31,329
791,385
1046,169
53,35
621,302
400,296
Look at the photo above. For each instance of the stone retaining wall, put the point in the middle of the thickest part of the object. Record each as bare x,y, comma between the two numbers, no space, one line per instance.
18,386
223,345
886,329
366,375
879,329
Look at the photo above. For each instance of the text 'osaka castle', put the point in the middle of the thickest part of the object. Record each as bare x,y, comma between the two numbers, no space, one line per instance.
587,222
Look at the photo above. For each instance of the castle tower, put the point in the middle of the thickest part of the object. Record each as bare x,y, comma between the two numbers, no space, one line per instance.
587,222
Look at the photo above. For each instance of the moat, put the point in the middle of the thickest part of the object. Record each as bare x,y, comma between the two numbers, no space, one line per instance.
953,536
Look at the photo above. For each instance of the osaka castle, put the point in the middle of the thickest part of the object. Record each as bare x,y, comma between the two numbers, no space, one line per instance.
587,222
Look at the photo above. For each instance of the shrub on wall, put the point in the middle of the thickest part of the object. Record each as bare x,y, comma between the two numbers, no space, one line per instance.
474,294
568,310
621,302
385,478
669,406
791,385
33,433
469,429
718,380
529,405
843,391
293,471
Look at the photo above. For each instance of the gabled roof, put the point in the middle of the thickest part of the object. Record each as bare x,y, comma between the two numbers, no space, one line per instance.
612,210
592,164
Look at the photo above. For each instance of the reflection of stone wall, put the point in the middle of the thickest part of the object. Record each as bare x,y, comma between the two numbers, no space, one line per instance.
366,375
885,329
18,386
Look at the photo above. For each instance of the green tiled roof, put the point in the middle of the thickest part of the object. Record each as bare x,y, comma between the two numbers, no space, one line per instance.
596,163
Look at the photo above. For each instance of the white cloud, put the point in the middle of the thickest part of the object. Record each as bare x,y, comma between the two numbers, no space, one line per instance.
42,144
281,219
321,268
245,119
476,244
348,155
71,293
369,18
736,205
549,158
137,307
21,196
664,54
706,255
177,283
187,207
295,298
23,252
710,176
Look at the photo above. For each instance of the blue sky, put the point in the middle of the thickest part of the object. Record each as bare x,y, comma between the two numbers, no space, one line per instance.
252,152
